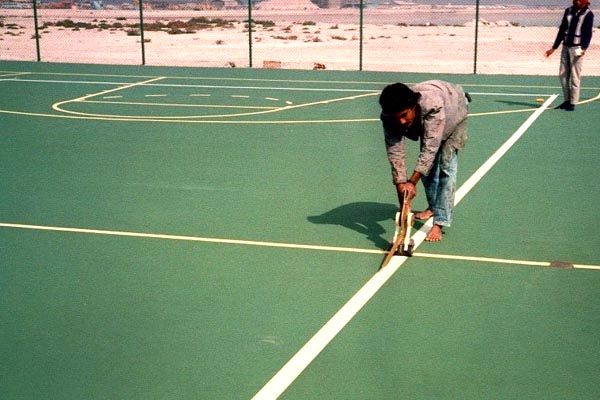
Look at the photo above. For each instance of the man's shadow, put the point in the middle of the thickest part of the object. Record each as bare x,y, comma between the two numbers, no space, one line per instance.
362,217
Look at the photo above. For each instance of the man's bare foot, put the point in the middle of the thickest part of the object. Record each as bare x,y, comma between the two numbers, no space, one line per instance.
424,214
435,234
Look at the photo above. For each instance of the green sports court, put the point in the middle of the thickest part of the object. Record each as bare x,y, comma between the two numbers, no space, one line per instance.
186,233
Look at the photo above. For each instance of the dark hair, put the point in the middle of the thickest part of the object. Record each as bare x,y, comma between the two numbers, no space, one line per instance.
397,97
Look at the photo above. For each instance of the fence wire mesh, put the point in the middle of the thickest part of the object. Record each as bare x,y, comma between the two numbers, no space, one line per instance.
385,35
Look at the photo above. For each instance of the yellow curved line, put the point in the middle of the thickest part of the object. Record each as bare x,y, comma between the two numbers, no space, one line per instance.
187,121
483,114
112,118
325,121
57,107
590,100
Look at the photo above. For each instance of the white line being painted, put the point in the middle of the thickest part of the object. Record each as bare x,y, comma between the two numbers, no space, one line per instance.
486,166
296,365
302,359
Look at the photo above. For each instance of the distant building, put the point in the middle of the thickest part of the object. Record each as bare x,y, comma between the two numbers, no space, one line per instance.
345,3
328,3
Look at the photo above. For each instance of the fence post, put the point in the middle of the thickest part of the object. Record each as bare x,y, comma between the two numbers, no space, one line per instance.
476,36
360,51
141,4
36,30
250,33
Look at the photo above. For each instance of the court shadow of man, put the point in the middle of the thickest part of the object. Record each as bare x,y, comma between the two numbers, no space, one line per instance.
362,217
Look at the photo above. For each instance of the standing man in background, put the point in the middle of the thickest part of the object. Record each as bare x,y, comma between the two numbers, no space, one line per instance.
575,34
434,113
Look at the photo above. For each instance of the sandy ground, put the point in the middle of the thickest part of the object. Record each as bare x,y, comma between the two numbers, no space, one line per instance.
297,40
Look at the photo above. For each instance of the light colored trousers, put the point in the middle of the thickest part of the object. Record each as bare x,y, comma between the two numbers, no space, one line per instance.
570,73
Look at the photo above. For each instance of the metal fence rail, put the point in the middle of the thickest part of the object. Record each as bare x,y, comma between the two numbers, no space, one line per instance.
385,36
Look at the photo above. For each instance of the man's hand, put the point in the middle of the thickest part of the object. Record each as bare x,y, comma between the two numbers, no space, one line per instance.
409,188
548,53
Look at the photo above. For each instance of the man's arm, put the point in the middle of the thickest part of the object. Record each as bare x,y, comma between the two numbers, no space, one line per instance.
560,35
562,30
434,123
396,154
586,31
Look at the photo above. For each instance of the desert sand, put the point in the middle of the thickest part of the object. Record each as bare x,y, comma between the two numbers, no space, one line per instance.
295,39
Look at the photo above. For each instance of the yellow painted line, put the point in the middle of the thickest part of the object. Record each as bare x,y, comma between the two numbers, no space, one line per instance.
553,264
292,245
188,121
184,105
186,238
483,114
590,100
268,110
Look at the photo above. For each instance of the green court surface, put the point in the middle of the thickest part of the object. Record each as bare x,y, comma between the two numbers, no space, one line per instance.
181,233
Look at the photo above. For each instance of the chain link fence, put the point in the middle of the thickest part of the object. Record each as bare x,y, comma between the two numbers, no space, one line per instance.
476,37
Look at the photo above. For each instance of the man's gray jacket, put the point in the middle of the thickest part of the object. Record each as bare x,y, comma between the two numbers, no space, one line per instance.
443,125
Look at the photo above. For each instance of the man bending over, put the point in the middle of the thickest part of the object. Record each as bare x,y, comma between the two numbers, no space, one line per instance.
435,113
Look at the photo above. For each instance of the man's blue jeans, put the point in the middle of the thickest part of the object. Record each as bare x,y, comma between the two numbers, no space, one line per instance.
440,186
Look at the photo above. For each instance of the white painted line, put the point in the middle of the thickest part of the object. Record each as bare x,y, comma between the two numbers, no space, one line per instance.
230,79
296,365
146,83
486,166
56,106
